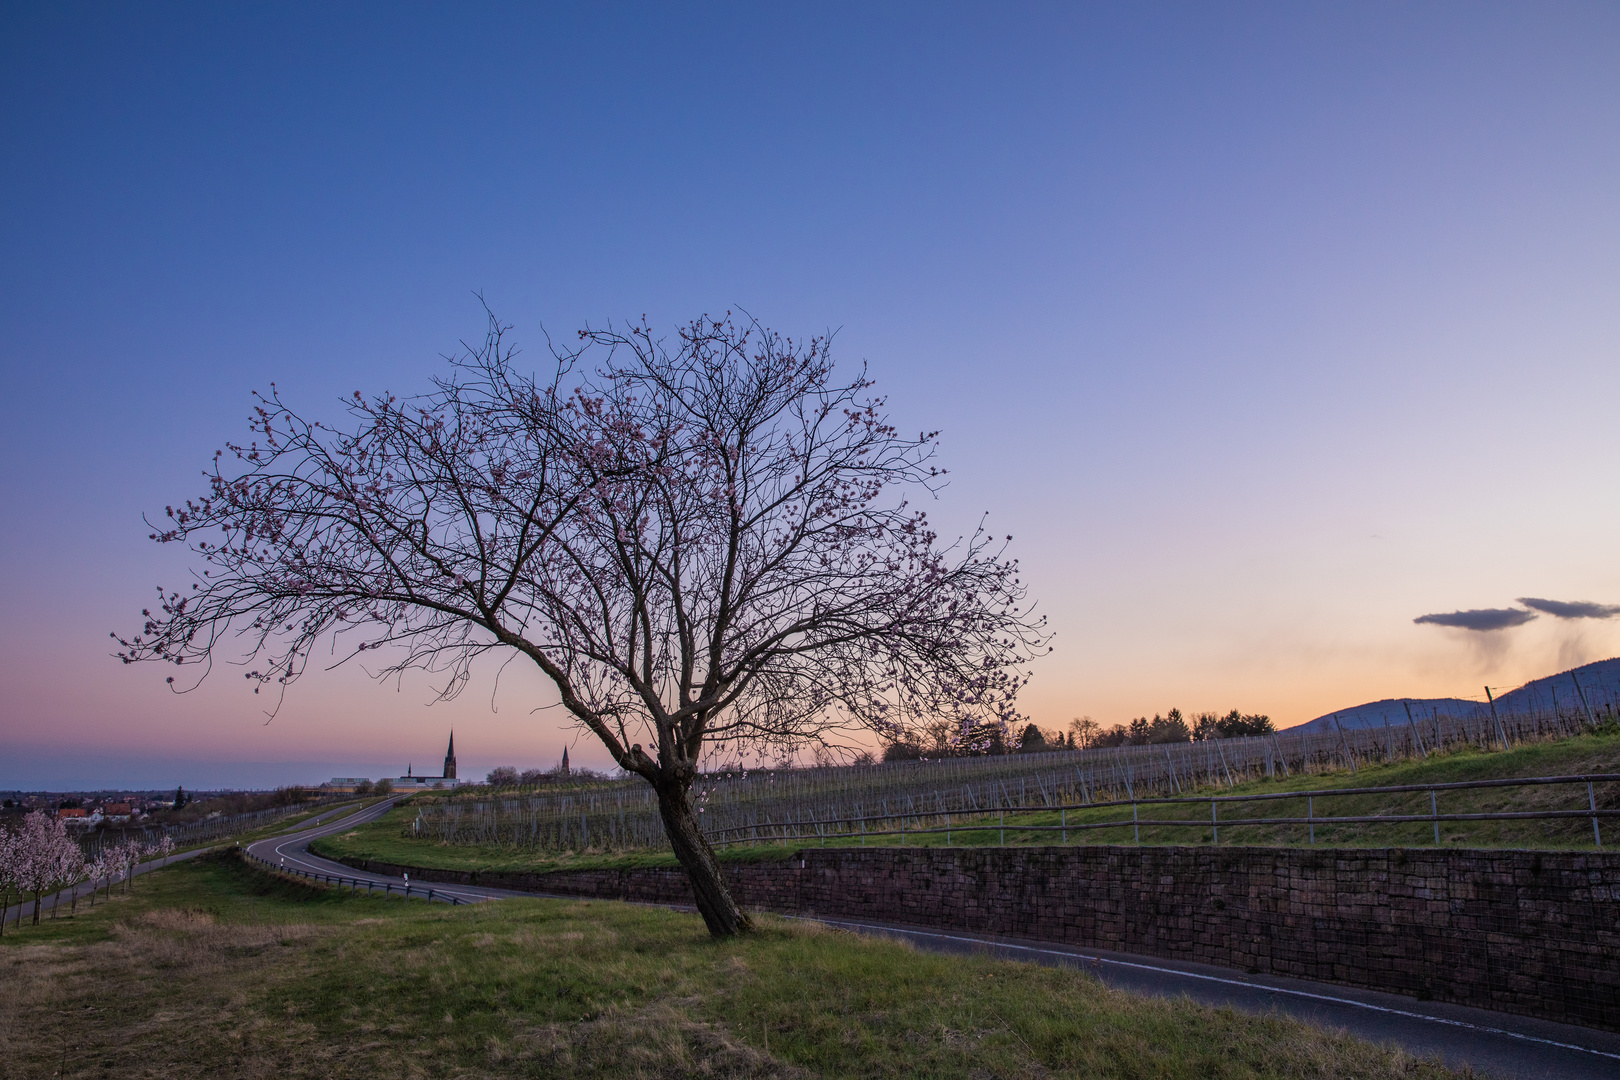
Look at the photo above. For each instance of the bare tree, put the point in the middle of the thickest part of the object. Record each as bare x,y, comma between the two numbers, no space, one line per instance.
502,776
699,542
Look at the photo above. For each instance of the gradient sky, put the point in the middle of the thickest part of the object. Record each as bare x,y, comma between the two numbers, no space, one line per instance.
1264,328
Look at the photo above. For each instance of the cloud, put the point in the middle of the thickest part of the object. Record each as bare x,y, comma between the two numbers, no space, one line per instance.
1571,609
1479,619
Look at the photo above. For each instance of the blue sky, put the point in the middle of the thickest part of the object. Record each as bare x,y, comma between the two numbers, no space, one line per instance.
1264,328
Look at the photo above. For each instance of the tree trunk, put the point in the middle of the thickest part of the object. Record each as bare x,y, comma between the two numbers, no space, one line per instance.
714,901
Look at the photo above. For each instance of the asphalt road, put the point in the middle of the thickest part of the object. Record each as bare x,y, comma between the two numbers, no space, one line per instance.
292,852
1495,1044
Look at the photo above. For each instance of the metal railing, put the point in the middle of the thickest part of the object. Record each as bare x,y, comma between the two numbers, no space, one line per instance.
844,828
625,816
338,881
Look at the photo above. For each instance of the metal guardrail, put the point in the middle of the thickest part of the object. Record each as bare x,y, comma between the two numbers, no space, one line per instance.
338,881
792,831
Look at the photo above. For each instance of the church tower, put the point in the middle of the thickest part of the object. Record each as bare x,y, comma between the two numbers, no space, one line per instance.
450,759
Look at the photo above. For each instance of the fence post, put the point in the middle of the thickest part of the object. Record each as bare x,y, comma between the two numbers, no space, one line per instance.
1065,820
1310,815
1214,820
1591,802
1580,693
1434,812
1501,735
1349,755
1415,736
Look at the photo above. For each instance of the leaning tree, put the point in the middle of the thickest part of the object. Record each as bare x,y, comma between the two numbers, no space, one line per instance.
701,541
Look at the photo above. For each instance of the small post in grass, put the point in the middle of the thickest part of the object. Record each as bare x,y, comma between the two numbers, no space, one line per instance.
1003,813
1434,812
1214,820
1310,815
1064,818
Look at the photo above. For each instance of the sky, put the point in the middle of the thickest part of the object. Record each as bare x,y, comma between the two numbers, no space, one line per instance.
1264,329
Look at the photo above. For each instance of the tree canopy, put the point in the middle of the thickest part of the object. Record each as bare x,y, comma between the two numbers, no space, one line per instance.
700,540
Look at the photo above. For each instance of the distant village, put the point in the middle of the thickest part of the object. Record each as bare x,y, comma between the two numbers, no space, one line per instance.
87,811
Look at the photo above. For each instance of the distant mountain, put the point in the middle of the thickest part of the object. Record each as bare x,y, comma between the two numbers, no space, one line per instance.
1600,681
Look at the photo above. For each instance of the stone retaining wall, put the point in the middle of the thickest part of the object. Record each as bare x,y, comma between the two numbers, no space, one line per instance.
1535,933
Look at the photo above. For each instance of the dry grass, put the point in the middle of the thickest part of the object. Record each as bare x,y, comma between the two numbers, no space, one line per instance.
165,993
216,971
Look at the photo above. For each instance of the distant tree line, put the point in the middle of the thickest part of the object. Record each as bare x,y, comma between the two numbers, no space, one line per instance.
507,776
1085,734
1173,727
941,740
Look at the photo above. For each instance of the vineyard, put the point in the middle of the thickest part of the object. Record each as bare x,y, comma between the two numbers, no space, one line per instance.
193,832
842,802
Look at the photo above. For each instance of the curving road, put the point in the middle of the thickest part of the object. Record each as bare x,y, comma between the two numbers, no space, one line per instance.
292,852
1495,1044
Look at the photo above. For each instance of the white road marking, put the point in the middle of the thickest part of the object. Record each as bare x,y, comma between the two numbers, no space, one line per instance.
1217,979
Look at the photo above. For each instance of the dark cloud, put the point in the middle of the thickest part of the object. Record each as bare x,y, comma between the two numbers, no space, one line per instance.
1571,609
1480,619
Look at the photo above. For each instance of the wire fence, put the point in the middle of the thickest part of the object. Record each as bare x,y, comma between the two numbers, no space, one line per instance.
976,827
624,816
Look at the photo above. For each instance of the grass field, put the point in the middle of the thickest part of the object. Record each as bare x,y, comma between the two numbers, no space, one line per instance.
213,969
389,838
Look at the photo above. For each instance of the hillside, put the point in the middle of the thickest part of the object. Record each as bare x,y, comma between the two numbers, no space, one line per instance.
1600,681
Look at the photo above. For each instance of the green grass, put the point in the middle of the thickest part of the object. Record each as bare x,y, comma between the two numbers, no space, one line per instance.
389,839
211,968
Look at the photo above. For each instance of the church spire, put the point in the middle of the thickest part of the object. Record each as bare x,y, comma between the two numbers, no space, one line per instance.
450,758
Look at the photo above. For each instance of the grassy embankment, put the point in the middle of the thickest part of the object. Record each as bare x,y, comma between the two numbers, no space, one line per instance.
389,838
213,969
